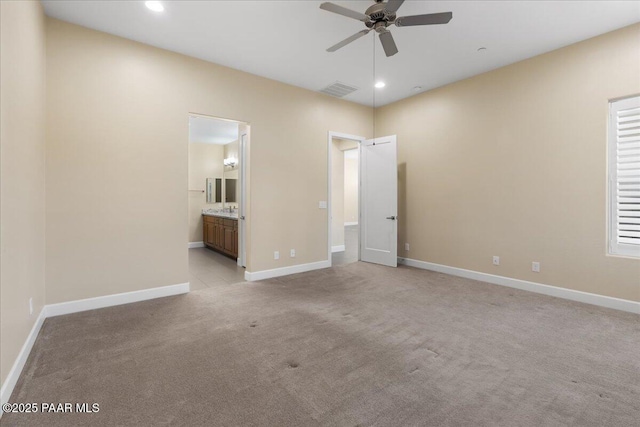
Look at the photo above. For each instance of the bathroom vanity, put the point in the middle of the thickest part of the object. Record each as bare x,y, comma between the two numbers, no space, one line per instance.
220,232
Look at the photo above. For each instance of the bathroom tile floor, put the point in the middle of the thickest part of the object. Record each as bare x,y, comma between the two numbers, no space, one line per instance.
350,254
208,269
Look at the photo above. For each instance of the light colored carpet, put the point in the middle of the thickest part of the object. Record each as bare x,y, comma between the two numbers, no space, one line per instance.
354,345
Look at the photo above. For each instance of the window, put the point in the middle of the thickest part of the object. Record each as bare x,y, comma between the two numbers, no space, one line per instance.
624,177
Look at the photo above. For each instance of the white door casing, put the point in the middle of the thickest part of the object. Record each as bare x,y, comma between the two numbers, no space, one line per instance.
379,201
242,250
331,136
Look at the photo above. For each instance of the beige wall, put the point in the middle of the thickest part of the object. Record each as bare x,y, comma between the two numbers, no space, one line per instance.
351,186
513,163
346,144
22,151
205,161
117,161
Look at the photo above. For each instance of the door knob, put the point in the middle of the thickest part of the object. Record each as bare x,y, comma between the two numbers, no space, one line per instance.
393,218
242,217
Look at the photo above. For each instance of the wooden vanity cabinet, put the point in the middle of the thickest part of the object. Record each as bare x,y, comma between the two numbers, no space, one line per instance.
221,234
228,236
209,233
235,239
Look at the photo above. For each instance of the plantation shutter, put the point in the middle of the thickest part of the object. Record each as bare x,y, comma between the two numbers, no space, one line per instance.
624,175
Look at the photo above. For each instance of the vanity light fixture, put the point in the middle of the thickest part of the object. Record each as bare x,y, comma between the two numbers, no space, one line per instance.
380,85
232,162
156,6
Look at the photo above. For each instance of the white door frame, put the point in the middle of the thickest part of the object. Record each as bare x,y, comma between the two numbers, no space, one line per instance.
242,211
330,137
244,168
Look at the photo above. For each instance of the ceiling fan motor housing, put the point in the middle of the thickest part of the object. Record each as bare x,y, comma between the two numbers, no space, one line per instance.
379,15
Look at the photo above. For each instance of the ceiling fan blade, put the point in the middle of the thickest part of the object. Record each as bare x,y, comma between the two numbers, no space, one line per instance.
393,5
332,7
428,19
388,44
348,40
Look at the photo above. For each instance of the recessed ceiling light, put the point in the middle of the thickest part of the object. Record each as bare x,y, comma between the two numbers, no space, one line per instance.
482,49
156,6
417,88
380,85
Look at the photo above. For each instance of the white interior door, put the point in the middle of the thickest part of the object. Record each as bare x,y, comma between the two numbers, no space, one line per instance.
379,201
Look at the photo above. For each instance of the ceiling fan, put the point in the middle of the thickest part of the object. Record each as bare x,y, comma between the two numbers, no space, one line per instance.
380,16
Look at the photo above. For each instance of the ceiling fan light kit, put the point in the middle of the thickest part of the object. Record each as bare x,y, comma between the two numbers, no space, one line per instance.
379,17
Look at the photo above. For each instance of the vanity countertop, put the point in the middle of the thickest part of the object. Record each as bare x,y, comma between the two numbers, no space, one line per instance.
221,214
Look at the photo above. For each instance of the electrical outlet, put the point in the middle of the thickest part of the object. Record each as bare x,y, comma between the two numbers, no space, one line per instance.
406,247
276,255
293,253
496,260
30,306
322,204
535,267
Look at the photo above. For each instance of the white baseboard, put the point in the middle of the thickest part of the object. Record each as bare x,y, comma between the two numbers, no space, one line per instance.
350,223
18,365
53,310
338,248
554,291
115,299
196,245
285,271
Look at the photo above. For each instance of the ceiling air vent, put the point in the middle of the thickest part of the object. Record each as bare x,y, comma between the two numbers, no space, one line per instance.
338,89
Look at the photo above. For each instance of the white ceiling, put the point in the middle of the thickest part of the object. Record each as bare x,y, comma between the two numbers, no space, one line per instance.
207,130
286,40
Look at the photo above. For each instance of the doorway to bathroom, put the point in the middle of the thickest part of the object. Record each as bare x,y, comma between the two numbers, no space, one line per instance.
217,200
344,227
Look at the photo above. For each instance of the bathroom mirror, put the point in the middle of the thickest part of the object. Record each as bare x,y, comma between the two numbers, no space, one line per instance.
230,190
214,190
